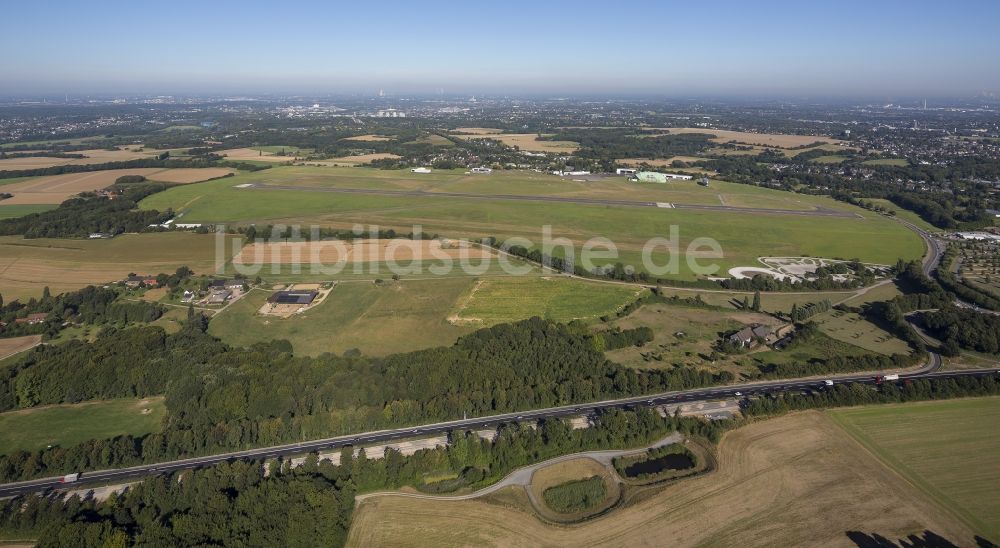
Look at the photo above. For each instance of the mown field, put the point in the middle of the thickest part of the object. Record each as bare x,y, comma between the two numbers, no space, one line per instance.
948,449
496,300
742,236
797,480
27,266
68,425
414,313
377,320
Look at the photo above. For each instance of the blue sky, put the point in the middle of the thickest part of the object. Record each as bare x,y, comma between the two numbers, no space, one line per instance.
844,48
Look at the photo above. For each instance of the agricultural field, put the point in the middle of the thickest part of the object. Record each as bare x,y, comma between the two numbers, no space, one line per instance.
350,161
376,319
830,159
256,154
769,302
790,481
190,174
369,138
478,130
497,300
12,211
15,345
27,266
899,162
742,235
947,449
96,156
526,141
57,188
761,139
71,424
401,251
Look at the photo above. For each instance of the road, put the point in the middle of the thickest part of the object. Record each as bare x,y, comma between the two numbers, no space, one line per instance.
928,370
818,212
522,476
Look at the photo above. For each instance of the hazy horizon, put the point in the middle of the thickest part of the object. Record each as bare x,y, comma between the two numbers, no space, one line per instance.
852,49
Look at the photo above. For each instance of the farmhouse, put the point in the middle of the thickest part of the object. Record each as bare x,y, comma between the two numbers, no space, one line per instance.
32,319
135,281
226,284
748,336
292,297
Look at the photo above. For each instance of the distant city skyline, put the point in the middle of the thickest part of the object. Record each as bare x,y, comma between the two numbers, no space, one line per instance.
848,49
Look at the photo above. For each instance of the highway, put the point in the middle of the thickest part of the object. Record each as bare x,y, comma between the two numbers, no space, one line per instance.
929,370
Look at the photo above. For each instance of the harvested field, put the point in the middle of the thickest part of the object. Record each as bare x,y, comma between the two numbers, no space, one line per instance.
478,130
353,160
16,345
27,266
369,138
331,252
762,139
238,154
190,175
527,141
949,449
97,156
661,162
498,300
57,188
797,480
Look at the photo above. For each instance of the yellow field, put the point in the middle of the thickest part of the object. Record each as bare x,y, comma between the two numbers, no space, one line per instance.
369,138
527,141
96,156
762,139
27,266
15,345
797,480
57,188
237,154
478,130
354,160
190,174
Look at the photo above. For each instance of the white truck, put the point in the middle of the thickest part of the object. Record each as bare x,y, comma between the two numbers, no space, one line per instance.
891,378
70,478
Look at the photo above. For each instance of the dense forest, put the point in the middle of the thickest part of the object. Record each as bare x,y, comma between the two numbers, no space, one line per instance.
91,305
964,328
90,213
311,505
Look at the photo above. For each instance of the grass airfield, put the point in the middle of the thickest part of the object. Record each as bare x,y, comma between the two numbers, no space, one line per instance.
743,236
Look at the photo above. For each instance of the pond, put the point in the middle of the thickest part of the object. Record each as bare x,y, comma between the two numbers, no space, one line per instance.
659,464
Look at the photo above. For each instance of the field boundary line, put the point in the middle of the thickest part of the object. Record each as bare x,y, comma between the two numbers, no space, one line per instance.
904,472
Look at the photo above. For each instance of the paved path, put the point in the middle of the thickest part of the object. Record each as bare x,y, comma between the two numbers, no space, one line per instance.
522,476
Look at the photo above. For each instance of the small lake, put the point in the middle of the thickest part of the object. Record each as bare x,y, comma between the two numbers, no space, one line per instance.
660,464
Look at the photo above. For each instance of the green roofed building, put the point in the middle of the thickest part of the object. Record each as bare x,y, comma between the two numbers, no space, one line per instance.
650,177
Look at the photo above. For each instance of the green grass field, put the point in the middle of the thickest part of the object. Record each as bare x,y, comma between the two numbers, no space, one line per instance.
497,300
900,162
904,214
20,210
378,320
742,236
68,425
830,159
949,449
414,313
